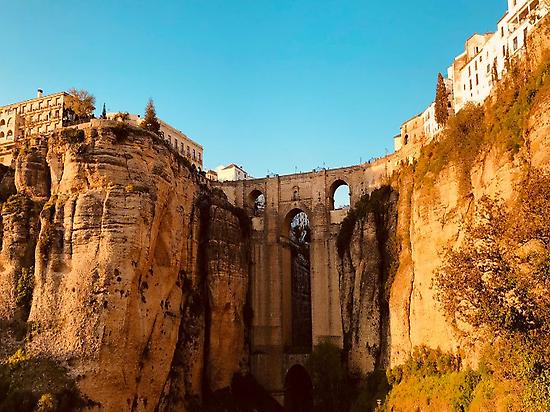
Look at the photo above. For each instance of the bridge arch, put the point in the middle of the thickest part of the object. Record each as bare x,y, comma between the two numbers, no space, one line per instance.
296,281
256,201
298,390
339,191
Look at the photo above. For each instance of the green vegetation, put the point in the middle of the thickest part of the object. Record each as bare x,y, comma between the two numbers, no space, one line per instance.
150,121
17,203
73,135
441,101
498,280
331,385
367,203
24,289
500,124
81,104
35,384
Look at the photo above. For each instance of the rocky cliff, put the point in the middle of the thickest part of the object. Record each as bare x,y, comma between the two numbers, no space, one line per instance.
124,267
488,152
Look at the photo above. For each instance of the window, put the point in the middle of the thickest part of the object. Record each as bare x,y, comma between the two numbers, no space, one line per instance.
515,43
525,37
470,84
193,154
475,65
503,51
477,80
469,70
502,31
488,68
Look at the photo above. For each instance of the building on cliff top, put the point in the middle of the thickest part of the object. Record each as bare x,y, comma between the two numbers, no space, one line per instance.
40,115
177,139
228,173
476,70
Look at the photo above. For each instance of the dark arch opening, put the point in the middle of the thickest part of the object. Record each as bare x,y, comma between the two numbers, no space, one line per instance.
256,201
340,195
298,291
406,140
298,390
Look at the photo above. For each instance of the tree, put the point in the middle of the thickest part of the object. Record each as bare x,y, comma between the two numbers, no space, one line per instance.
104,112
441,101
150,121
81,103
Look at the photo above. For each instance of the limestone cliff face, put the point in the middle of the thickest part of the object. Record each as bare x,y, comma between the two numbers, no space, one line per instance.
122,295
366,269
430,219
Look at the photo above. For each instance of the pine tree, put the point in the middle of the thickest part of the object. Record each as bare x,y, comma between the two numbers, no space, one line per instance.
104,112
441,101
150,121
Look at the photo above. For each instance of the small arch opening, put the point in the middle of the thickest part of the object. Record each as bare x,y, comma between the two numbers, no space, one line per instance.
256,201
298,390
10,133
2,122
340,195
406,140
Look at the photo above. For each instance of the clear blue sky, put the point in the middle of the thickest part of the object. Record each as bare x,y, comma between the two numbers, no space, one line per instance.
269,84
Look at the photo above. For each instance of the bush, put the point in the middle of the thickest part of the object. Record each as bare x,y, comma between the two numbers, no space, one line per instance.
35,384
73,135
367,203
24,289
331,386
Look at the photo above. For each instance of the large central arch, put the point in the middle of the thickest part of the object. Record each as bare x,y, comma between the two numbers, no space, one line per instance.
297,282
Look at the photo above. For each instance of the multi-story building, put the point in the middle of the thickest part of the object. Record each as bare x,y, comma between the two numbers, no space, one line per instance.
412,132
483,61
474,72
40,115
178,140
230,173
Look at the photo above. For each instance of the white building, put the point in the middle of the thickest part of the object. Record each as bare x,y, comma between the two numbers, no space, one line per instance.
474,72
178,140
431,127
231,172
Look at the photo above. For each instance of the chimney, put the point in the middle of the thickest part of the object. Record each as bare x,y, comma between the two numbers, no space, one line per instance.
40,93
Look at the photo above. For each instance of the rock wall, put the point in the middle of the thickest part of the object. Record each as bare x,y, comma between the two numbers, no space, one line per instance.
124,295
431,217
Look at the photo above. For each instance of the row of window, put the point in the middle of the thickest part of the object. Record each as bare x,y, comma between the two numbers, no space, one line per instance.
8,134
42,104
30,107
180,147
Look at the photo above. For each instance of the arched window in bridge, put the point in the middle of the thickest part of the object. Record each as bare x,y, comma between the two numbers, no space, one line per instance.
299,234
256,201
298,390
340,195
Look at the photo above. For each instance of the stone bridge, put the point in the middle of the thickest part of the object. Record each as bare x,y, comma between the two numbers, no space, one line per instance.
274,350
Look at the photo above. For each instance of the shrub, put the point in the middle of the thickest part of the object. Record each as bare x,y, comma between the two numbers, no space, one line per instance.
367,203
331,389
73,135
35,384
24,288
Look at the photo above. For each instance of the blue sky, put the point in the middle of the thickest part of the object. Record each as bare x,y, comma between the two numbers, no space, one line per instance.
278,85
